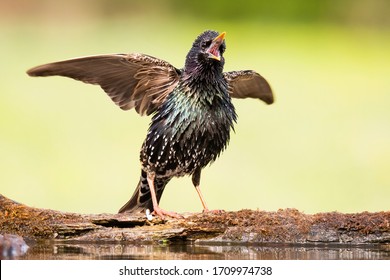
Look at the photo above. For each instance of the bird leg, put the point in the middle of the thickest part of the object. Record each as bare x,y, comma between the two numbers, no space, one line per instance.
205,208
196,182
156,209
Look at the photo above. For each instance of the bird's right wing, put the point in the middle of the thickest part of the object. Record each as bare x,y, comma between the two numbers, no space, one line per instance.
131,80
248,83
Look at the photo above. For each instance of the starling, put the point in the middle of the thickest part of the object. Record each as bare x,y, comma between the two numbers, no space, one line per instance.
191,108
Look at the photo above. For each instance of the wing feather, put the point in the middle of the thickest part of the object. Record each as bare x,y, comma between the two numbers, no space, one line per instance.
248,83
131,80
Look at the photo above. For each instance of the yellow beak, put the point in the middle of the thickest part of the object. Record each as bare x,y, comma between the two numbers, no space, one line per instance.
213,50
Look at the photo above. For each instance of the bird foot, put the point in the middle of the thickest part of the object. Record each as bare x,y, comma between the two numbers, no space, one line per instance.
215,211
162,213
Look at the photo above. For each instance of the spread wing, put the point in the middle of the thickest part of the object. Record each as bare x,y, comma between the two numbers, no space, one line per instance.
248,83
131,80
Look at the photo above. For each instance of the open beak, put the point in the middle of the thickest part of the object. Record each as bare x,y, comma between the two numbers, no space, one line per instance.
213,50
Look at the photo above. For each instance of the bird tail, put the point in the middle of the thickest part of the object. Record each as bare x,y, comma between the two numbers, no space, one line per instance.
141,199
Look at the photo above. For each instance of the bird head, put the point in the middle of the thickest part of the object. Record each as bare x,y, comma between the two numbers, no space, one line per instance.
207,52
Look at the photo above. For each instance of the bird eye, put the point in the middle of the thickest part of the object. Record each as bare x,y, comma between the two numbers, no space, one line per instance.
206,44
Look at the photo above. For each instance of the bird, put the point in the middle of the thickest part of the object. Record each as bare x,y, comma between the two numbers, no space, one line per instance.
191,109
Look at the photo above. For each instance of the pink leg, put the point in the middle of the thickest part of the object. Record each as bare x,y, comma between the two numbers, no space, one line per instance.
205,208
157,210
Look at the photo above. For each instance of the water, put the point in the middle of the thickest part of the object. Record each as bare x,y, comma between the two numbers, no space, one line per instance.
185,251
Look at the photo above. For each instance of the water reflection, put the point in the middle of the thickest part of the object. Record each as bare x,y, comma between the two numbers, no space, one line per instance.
51,250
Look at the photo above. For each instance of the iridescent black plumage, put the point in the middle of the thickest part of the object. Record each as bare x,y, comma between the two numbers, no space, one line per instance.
192,109
191,128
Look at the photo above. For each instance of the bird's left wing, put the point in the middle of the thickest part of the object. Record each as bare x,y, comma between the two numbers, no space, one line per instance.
248,83
131,80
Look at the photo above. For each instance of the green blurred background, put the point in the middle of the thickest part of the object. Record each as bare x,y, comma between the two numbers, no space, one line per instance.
323,146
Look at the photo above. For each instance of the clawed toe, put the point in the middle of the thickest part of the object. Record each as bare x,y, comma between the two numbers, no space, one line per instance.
214,211
162,213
